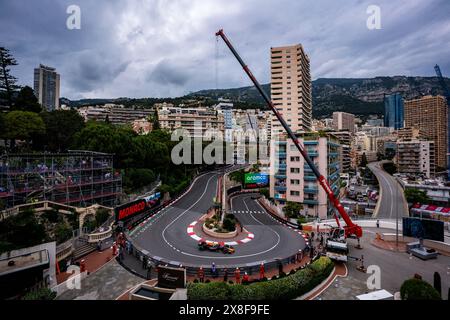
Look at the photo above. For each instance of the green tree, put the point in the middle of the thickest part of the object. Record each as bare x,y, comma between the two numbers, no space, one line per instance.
416,196
63,232
27,101
7,81
237,176
155,121
292,209
22,125
265,192
61,128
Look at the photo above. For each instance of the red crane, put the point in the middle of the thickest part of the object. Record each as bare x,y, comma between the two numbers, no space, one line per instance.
351,229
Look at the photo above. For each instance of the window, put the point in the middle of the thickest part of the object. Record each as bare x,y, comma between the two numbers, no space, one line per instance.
295,181
295,193
295,170
295,159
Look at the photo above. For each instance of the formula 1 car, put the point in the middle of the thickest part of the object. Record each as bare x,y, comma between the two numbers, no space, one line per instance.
216,246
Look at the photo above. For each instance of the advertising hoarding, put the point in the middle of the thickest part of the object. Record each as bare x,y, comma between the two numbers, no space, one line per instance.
256,180
423,228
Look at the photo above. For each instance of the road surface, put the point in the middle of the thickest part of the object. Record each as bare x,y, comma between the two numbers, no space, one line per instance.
165,235
392,199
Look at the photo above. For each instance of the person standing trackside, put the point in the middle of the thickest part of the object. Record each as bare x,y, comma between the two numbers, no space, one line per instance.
378,223
201,274
225,275
237,275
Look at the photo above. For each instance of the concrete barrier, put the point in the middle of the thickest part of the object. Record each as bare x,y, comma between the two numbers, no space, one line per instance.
220,235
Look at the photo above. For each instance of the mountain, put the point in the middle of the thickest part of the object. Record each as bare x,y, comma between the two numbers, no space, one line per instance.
361,96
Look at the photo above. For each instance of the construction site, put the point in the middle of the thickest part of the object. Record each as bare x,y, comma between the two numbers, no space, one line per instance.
76,178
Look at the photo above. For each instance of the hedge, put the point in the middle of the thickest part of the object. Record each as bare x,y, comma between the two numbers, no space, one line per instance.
416,289
289,287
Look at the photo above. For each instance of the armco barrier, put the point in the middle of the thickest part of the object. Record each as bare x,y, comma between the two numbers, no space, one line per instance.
192,270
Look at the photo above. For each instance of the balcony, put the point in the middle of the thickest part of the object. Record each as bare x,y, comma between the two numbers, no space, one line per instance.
310,178
280,176
281,155
310,201
280,187
333,154
310,142
312,154
310,190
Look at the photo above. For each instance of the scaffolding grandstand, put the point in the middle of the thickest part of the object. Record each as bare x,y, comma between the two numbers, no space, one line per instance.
77,178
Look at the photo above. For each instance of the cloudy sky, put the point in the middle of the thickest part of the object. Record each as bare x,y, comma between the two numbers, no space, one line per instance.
162,48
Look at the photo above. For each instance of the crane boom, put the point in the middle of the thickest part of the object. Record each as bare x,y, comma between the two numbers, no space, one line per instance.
351,229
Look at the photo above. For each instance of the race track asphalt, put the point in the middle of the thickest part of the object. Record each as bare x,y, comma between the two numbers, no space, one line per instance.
165,234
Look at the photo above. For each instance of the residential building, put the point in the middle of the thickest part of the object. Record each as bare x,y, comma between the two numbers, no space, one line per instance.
344,121
429,114
293,180
408,133
195,120
46,87
291,88
393,111
345,142
416,157
115,114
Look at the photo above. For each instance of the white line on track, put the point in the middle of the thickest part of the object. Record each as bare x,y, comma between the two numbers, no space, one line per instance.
184,212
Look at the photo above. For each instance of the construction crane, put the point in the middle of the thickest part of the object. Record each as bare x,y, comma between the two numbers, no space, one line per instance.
447,96
351,229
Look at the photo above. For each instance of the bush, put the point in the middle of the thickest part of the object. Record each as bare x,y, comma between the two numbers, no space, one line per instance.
41,294
416,289
283,288
63,232
208,291
229,225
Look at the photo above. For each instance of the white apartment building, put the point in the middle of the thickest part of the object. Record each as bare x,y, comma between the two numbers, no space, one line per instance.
416,157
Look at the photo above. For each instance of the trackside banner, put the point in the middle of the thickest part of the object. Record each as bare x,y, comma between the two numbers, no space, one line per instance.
136,207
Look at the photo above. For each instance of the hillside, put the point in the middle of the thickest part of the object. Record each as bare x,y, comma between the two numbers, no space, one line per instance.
362,97
359,96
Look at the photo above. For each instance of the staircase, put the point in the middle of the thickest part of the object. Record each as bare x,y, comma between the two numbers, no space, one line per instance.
83,248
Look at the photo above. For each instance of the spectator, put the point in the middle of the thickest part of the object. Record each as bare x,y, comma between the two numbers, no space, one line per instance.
225,275
245,278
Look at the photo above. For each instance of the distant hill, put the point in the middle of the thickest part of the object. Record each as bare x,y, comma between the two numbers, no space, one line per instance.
360,96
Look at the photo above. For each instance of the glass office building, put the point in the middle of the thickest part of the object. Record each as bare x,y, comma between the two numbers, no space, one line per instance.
393,111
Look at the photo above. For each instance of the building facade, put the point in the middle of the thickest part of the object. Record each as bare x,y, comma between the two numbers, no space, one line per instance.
46,87
291,88
115,114
345,142
416,157
394,111
429,115
293,180
344,121
194,120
